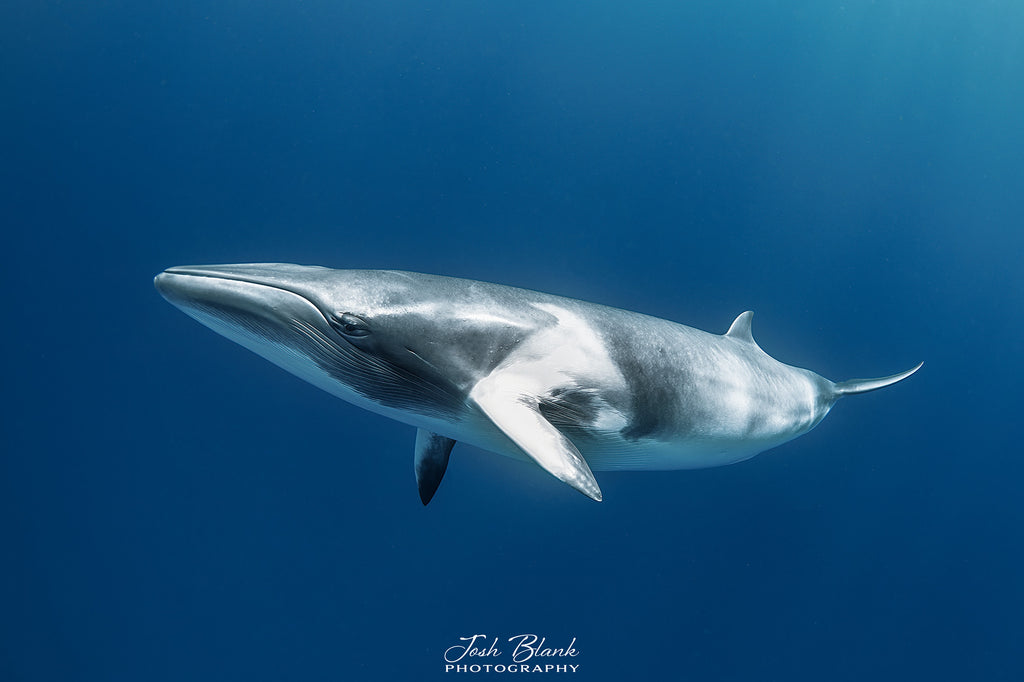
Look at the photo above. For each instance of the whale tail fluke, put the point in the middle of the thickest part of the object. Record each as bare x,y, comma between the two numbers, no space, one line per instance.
854,386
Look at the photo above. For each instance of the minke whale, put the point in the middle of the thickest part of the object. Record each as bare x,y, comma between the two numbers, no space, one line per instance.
574,387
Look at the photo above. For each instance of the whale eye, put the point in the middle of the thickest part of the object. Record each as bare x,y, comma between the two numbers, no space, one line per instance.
350,325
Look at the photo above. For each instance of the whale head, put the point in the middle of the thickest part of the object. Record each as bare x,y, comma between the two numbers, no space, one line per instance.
400,344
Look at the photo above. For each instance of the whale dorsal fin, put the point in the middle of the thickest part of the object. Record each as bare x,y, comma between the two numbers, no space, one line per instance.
432,453
740,328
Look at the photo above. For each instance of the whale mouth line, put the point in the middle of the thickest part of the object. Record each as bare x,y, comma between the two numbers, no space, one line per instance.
207,274
192,271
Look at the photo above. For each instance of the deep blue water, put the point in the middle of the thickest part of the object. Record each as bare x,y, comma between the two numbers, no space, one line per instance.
173,507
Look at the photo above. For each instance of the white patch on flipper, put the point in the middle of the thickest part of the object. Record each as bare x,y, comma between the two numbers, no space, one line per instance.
568,356
518,416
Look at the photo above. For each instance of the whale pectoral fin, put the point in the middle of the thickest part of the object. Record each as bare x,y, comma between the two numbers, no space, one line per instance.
432,452
518,416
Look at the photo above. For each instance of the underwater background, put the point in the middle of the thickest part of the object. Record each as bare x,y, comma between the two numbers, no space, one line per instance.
173,507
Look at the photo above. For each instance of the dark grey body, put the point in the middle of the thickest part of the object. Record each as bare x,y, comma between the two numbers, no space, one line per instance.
572,386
